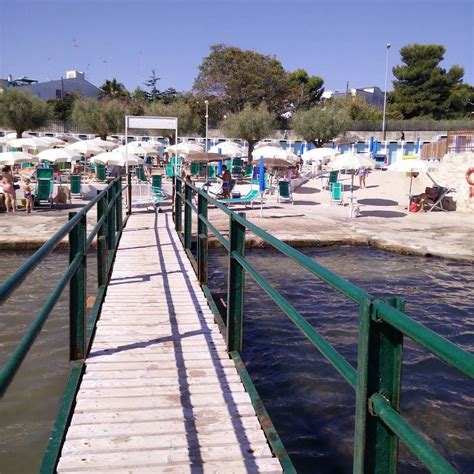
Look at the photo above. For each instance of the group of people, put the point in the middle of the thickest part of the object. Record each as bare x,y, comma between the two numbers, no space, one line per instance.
9,190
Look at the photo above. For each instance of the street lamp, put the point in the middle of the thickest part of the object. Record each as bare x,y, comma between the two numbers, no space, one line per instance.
207,120
385,93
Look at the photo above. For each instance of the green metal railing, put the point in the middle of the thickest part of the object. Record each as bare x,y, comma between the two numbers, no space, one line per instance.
107,230
382,325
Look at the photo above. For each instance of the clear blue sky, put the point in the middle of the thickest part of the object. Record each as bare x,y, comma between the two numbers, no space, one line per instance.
339,41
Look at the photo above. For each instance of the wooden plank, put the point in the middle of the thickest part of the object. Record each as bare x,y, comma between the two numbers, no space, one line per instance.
160,393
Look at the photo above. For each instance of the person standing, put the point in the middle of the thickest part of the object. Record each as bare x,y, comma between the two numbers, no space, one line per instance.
9,189
28,195
226,178
363,172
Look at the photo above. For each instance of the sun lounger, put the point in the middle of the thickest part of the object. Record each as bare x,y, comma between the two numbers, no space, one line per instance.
44,192
249,198
437,202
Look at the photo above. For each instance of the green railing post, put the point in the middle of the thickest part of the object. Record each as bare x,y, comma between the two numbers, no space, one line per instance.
378,371
118,203
235,286
178,206
102,254
129,193
111,218
77,291
202,249
188,222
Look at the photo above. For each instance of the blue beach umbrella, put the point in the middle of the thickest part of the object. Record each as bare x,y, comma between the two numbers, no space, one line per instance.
219,167
261,176
417,145
371,144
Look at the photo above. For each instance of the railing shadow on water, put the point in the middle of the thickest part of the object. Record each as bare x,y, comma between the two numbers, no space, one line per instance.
82,320
383,324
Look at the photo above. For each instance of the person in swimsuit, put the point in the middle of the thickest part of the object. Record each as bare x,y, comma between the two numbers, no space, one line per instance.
226,178
28,195
9,189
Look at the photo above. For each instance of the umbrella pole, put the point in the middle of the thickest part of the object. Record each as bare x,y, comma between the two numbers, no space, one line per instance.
352,186
261,205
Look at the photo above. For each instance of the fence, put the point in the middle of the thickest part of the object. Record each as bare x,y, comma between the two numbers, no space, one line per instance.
108,229
460,141
382,327
435,150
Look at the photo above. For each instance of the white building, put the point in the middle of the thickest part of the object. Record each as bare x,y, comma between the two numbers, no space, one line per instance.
372,95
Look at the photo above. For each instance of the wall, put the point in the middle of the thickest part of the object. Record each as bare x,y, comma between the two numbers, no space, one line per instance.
452,173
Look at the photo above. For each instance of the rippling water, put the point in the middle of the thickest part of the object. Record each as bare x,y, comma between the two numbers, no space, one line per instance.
29,408
311,406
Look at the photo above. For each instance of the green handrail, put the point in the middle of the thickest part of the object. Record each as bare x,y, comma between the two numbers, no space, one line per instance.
377,380
109,225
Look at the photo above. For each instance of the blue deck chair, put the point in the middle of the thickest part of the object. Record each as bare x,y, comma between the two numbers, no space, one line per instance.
195,169
248,171
284,192
249,198
140,172
169,171
336,193
75,181
212,172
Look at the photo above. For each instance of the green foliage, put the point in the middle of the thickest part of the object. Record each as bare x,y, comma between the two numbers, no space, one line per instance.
154,93
188,121
101,117
321,123
422,88
140,95
304,91
22,111
251,124
359,109
62,108
238,77
113,90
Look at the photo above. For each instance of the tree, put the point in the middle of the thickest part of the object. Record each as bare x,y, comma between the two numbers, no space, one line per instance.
22,111
154,93
422,88
238,77
140,95
188,121
251,124
321,123
62,108
359,109
113,90
100,117
169,95
304,91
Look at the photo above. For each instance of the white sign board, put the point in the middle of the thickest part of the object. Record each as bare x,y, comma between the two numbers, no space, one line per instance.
149,122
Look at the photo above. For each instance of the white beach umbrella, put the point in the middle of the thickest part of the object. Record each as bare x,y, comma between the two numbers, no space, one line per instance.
53,141
15,157
413,166
231,149
87,147
139,148
274,152
68,138
105,144
351,161
12,135
265,144
32,143
184,148
59,155
319,154
117,158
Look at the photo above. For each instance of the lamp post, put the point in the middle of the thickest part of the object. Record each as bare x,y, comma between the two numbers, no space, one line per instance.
385,93
207,121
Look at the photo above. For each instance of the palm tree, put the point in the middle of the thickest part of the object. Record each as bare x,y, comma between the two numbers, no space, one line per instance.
113,90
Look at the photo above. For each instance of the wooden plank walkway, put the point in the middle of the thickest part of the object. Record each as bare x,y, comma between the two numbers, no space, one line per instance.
160,393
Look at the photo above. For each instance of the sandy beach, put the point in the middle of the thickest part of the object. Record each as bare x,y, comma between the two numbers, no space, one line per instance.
311,221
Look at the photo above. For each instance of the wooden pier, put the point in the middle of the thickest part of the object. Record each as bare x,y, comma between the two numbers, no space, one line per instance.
160,393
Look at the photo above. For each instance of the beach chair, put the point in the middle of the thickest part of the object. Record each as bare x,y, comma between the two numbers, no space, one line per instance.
249,198
75,181
248,171
44,192
332,179
437,203
212,172
169,171
336,193
195,169
140,173
237,165
44,173
284,192
101,173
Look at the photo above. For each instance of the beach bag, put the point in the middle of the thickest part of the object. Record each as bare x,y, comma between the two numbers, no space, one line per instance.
413,207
